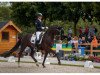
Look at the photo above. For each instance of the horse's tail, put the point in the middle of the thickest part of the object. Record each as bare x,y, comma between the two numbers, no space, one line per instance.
8,53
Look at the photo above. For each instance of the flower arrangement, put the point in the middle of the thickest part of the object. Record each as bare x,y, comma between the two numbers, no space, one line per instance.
94,59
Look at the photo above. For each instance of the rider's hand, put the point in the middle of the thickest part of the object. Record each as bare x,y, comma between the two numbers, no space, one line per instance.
43,27
46,27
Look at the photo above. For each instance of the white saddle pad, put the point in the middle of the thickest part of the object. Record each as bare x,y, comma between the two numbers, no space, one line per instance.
33,39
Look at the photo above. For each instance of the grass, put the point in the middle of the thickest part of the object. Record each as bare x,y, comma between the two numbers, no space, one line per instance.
54,64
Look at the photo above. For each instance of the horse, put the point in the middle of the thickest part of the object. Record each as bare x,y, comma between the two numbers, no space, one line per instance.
45,46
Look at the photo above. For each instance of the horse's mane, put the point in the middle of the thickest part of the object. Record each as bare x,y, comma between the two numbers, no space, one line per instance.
55,26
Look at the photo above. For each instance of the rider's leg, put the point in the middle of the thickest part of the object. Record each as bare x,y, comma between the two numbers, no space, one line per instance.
37,38
38,35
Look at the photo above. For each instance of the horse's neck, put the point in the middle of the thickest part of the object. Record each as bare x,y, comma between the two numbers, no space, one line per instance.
49,34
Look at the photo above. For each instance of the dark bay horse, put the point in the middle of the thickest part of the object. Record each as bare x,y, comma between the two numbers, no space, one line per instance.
45,46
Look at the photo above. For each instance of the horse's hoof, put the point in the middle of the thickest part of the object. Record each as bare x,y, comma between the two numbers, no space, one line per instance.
37,65
59,63
44,67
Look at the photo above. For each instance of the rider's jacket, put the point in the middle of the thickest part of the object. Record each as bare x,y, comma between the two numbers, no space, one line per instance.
38,25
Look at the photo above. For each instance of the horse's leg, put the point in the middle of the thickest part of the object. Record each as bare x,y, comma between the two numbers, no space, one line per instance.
32,55
19,55
44,59
56,56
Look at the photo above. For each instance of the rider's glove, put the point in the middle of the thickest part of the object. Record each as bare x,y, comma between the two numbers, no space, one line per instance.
46,27
43,27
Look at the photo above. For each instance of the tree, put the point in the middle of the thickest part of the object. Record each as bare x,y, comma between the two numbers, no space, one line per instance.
5,12
23,13
96,7
73,13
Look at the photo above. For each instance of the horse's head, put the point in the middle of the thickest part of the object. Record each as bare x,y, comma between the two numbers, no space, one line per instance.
57,30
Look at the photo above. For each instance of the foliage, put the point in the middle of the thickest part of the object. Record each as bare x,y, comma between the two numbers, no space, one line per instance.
27,30
81,58
5,12
23,13
77,58
66,14
96,7
94,58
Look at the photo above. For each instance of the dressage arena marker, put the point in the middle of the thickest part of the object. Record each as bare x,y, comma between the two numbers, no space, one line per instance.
88,64
38,55
47,62
11,59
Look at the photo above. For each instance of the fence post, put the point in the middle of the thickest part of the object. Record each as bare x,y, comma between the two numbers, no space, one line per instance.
91,50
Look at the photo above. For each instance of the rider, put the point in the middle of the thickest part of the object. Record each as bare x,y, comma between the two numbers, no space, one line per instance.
39,27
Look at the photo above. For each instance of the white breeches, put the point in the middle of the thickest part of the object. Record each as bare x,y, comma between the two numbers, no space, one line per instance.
38,34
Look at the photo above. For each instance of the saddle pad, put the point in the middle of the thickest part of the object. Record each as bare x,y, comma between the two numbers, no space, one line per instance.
33,39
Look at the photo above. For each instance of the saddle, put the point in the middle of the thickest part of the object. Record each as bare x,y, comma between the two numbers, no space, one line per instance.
37,40
37,37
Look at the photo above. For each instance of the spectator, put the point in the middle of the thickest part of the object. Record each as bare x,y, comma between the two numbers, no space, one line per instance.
89,40
83,41
98,37
69,37
94,42
71,42
91,31
59,49
70,32
75,41
80,41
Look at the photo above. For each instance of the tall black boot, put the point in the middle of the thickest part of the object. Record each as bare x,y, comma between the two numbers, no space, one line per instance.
37,42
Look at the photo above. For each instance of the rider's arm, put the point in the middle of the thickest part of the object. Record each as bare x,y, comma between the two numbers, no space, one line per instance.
37,24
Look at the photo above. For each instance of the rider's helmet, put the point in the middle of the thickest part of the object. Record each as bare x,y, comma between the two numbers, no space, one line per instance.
39,14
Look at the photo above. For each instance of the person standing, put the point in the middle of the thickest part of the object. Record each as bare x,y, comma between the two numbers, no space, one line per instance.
94,42
70,32
91,31
59,51
75,41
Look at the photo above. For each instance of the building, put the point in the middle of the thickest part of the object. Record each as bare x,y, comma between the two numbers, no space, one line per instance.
8,35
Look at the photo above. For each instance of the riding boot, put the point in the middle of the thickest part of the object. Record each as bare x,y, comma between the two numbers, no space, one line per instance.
37,43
